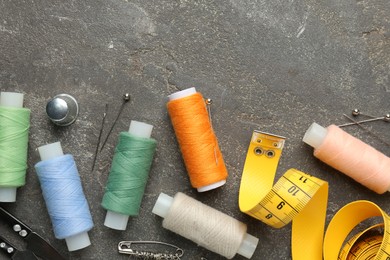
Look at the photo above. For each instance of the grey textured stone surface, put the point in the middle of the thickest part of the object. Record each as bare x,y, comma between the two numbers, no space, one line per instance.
275,66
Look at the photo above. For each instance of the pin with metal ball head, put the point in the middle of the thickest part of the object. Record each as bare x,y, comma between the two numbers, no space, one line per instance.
126,98
356,112
62,109
208,102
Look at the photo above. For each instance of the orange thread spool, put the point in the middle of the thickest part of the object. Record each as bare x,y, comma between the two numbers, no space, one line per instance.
197,140
351,156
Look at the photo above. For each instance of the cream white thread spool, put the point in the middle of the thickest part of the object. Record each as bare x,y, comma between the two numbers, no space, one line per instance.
205,226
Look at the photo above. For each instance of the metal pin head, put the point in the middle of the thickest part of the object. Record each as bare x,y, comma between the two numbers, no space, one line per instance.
126,97
387,118
355,112
62,109
209,101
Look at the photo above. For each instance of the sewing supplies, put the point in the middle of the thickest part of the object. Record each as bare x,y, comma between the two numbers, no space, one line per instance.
129,248
296,196
356,112
365,129
197,140
208,102
14,130
126,98
371,243
350,156
35,244
64,197
100,137
205,225
15,253
128,175
62,109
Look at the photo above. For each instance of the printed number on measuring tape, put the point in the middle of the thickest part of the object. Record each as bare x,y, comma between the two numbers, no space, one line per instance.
296,196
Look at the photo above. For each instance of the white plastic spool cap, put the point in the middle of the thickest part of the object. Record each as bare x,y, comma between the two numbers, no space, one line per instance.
117,220
315,135
140,129
248,244
78,241
181,94
10,99
48,152
162,205
185,93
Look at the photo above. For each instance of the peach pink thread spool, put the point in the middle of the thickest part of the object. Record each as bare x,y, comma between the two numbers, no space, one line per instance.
351,156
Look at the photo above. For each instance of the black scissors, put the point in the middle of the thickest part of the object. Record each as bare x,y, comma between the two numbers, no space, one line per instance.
36,246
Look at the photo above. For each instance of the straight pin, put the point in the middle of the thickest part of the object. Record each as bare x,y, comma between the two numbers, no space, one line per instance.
100,136
126,98
385,118
208,102
365,129
357,112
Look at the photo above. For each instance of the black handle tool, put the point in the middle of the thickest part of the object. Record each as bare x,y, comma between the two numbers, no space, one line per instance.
35,243
12,252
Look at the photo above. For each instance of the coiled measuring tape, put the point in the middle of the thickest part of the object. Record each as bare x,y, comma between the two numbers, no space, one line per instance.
372,243
302,199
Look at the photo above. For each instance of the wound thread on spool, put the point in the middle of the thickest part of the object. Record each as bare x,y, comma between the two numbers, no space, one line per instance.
63,193
14,129
197,140
350,156
205,225
128,175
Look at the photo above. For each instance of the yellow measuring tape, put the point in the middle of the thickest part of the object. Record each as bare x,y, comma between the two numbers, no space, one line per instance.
302,199
372,243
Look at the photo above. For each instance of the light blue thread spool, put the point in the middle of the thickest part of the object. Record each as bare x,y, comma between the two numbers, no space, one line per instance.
64,197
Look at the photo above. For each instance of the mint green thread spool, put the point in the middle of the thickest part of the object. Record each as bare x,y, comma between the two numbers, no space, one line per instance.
129,174
14,128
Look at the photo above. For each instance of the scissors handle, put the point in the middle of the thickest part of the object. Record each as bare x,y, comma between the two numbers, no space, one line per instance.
14,223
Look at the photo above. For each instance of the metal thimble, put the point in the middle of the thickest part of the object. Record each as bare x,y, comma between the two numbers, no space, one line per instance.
62,109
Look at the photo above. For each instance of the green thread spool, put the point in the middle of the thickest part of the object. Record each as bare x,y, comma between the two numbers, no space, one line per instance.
129,174
14,128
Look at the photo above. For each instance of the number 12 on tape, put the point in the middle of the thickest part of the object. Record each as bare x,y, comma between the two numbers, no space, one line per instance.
296,196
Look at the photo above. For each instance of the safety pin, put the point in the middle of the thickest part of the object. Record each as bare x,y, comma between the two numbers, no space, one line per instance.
125,247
